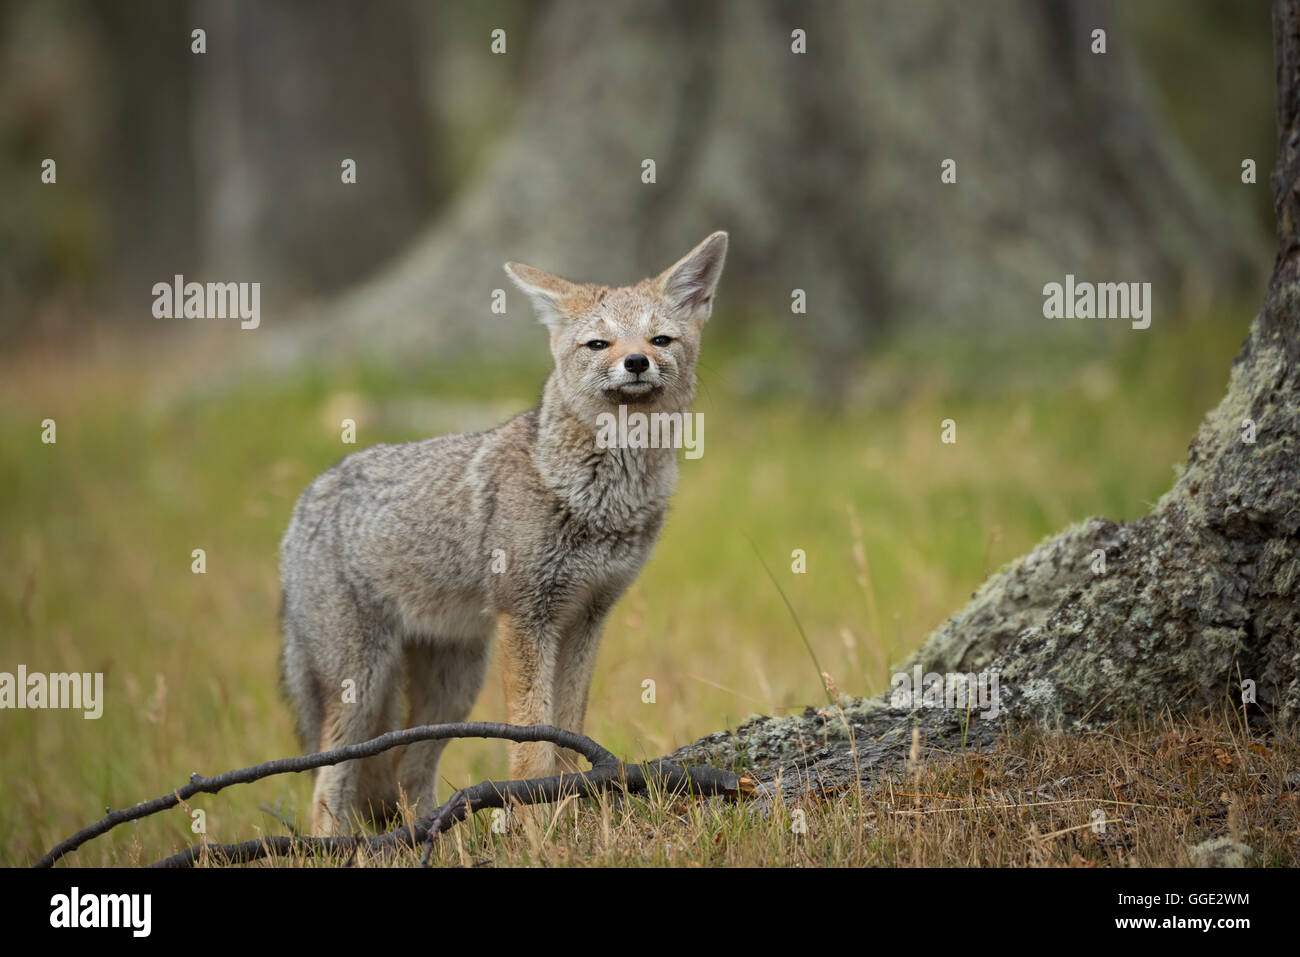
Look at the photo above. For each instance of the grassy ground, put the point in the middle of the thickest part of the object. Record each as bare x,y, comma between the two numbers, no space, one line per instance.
97,531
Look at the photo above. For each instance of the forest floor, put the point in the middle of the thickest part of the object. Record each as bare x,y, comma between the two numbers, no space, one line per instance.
154,460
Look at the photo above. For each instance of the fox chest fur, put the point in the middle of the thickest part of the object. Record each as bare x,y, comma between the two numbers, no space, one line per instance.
573,535
437,536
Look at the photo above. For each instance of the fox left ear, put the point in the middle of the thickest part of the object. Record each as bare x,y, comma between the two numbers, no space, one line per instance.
546,291
688,284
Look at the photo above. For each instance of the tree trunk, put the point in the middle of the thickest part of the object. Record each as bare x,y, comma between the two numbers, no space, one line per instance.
825,166
282,98
1193,600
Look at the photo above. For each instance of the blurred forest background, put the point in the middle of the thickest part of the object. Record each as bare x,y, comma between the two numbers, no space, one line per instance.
825,166
924,303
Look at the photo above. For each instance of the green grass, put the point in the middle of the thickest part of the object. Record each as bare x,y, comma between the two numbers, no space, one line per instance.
96,534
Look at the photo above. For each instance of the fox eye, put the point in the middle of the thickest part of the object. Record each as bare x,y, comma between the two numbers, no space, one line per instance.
661,340
597,344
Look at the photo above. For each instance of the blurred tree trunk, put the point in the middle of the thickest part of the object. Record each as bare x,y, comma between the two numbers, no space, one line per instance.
151,190
825,167
1194,600
227,164
286,92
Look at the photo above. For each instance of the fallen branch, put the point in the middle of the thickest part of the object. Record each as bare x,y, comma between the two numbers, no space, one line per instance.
606,771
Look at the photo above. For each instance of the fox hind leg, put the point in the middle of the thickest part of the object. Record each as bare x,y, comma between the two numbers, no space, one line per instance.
354,713
443,682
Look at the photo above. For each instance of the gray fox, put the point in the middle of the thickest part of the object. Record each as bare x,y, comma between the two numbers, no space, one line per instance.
402,562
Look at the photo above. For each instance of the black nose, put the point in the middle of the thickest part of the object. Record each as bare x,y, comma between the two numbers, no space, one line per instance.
636,363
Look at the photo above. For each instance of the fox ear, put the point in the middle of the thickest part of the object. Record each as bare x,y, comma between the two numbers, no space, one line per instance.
546,291
688,284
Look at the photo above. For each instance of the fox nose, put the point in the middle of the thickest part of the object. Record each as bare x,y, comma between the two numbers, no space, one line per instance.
636,363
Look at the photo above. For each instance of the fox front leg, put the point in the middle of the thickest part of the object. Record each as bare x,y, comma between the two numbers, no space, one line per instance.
529,656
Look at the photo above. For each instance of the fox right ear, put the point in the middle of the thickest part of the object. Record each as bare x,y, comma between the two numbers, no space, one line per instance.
688,284
546,291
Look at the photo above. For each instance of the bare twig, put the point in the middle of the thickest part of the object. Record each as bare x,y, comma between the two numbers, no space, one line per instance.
606,771
588,748
630,777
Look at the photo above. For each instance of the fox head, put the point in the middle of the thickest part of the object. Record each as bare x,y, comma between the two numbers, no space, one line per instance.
628,345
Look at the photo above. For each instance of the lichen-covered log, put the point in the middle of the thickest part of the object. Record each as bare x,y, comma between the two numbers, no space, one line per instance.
832,748
1111,620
